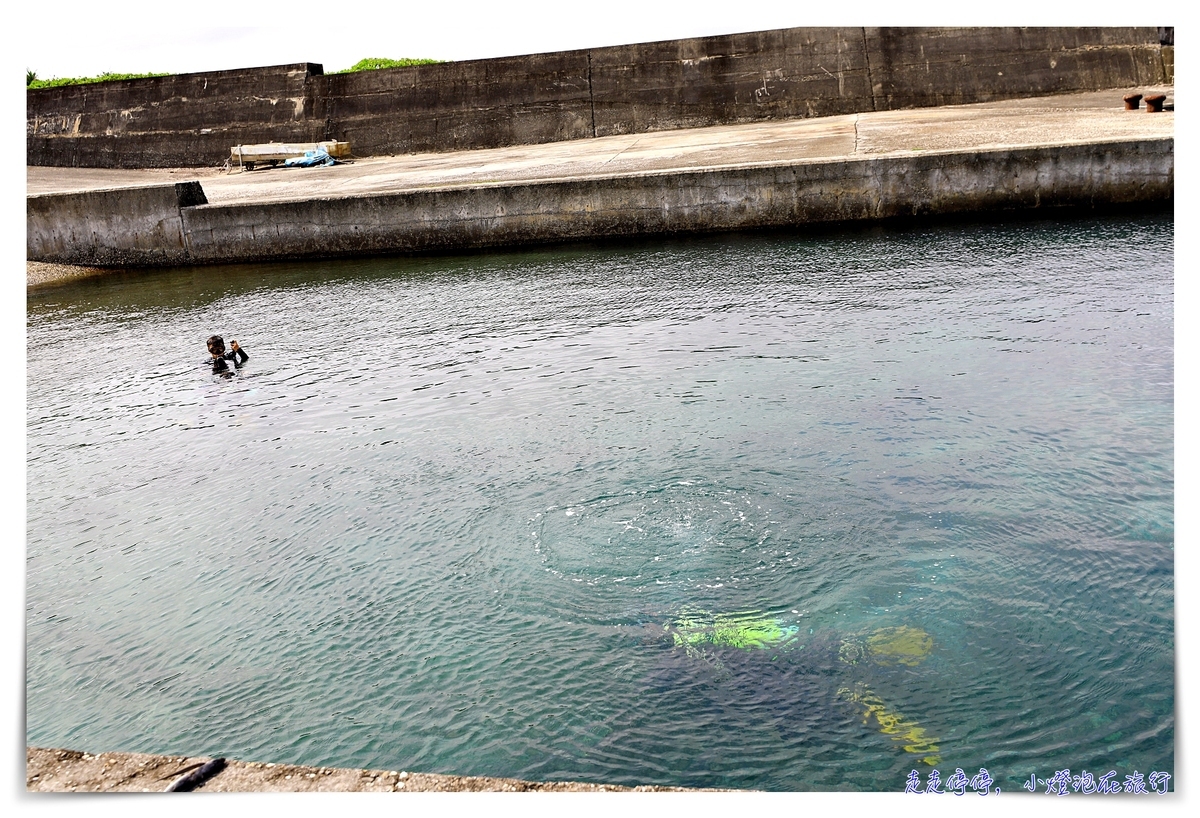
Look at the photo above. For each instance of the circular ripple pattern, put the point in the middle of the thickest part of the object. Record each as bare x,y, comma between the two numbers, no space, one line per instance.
443,517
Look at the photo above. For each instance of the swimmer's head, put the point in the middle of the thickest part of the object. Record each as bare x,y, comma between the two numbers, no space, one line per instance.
216,345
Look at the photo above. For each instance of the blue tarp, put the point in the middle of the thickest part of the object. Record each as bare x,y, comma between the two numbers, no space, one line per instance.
311,159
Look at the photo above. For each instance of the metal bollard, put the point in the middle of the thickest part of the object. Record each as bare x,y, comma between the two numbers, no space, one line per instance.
1132,101
1154,103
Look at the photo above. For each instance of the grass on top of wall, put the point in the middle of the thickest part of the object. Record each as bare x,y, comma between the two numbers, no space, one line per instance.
375,63
370,64
32,81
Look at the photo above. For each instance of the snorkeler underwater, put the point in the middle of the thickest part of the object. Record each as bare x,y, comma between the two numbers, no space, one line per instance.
757,650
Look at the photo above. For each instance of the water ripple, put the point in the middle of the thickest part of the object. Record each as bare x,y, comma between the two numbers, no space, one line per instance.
446,515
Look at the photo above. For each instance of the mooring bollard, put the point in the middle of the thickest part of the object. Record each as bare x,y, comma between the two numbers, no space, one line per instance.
1154,103
1132,101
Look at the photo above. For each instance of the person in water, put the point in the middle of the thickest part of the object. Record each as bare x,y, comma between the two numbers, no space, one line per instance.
216,346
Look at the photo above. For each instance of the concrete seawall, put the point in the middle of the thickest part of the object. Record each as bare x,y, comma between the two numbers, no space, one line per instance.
124,227
192,120
673,203
83,228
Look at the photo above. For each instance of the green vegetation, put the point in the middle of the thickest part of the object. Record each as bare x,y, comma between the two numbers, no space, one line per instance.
32,81
374,63
369,64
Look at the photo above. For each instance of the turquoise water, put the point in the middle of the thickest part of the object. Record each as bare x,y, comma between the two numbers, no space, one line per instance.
454,513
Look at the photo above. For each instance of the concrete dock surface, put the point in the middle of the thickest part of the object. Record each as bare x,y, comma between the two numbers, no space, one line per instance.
999,155
1096,116
55,770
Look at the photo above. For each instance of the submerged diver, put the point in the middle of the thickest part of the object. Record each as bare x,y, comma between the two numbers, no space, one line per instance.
216,346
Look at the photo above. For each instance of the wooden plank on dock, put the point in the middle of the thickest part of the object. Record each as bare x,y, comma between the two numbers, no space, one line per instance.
280,151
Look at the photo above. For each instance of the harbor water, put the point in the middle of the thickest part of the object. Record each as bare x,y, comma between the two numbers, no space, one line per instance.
782,512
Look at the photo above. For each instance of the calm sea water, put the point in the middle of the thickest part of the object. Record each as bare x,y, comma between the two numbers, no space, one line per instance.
453,513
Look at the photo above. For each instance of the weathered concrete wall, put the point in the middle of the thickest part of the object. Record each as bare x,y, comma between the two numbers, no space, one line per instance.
183,120
461,105
126,227
780,195
922,67
781,74
193,119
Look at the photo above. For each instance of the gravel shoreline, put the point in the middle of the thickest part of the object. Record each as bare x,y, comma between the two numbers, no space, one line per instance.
39,273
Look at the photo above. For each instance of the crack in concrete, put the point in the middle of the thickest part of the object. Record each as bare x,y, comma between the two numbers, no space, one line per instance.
867,57
623,150
591,95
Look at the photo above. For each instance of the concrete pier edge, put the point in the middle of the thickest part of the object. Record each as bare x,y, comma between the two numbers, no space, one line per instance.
59,770
170,225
